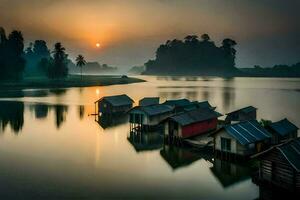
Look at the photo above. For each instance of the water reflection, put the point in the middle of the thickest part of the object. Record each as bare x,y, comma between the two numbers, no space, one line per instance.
178,157
110,120
60,114
81,112
229,173
11,113
31,93
228,94
40,110
145,141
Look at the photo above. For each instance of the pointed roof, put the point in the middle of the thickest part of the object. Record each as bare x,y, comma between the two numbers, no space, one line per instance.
117,100
283,127
178,102
247,132
194,116
290,151
244,110
147,101
153,110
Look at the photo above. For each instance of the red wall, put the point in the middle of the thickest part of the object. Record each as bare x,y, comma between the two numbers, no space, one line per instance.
199,128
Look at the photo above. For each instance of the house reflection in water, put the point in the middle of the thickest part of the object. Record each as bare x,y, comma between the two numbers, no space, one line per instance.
110,120
229,173
178,157
145,141
12,113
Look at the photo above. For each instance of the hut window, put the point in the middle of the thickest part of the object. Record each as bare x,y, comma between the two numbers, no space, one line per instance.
104,105
225,144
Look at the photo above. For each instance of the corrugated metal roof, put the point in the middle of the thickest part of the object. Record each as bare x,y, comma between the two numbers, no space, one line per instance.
291,151
118,100
283,127
149,101
248,132
244,110
194,116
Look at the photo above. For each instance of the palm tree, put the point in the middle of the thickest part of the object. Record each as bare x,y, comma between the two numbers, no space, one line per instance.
80,62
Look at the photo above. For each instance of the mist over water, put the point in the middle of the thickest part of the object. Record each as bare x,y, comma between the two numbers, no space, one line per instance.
51,148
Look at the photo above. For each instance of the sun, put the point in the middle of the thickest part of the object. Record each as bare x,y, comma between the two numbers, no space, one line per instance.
98,45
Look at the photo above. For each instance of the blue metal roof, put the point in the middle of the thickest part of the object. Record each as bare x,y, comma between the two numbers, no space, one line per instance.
291,151
283,127
195,116
247,132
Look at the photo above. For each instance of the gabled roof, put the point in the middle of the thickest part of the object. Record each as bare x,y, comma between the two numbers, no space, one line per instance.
153,110
247,132
117,100
178,102
291,151
243,110
194,116
283,127
204,104
149,101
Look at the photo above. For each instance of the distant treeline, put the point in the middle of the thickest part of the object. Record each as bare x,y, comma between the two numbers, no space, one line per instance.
35,60
92,67
275,71
194,56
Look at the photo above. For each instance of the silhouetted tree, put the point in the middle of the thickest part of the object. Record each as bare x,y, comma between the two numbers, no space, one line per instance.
193,56
59,66
80,62
205,37
12,63
44,65
229,52
34,54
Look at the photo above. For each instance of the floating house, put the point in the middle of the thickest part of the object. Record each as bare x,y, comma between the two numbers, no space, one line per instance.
280,165
191,123
178,157
179,104
241,139
243,114
146,141
148,101
182,105
114,104
149,117
282,131
229,174
111,120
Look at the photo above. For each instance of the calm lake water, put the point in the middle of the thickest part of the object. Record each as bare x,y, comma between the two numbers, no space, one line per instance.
51,148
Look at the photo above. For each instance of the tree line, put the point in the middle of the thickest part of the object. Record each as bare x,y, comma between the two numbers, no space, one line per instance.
36,60
281,70
194,56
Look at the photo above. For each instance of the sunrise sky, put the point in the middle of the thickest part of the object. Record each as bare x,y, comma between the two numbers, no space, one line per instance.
129,31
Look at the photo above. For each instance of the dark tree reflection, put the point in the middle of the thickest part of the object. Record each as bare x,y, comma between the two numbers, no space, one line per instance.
60,114
12,113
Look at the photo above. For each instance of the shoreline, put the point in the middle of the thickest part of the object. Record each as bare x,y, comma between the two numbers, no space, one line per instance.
70,81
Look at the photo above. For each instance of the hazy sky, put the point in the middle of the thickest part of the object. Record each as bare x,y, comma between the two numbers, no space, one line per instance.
129,31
